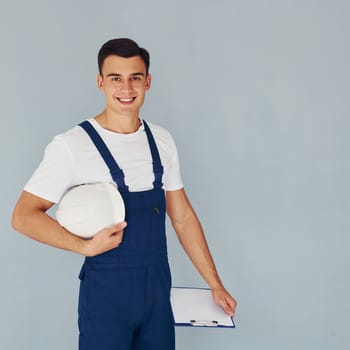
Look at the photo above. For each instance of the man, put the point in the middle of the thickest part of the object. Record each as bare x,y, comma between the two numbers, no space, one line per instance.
125,280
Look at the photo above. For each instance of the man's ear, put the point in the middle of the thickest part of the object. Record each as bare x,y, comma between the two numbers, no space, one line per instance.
148,81
99,81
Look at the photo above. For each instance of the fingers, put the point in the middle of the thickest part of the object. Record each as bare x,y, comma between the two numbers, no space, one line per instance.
224,299
230,307
105,240
115,233
111,230
116,227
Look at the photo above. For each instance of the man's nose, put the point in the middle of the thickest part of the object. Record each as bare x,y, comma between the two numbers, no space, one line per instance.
126,85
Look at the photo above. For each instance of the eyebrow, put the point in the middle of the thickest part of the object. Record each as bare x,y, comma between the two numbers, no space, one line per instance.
119,75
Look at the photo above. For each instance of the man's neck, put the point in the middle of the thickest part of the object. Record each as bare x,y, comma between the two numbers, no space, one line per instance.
118,123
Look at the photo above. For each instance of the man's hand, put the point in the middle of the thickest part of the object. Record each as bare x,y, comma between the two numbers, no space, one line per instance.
223,298
104,240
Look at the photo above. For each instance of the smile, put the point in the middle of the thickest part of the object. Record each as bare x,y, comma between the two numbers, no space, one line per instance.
126,100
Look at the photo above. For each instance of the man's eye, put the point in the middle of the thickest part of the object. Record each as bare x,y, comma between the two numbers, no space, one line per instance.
115,79
136,78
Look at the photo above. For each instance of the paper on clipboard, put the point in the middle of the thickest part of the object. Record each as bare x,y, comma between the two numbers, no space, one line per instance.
196,307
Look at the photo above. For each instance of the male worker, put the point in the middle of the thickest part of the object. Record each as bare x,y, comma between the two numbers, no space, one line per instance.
125,280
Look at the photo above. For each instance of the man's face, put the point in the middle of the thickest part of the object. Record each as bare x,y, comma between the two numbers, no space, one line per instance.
124,83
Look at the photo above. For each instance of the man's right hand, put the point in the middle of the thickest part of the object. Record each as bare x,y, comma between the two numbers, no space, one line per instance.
104,240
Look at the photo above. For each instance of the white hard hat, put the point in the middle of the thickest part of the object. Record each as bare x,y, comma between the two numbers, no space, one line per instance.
86,209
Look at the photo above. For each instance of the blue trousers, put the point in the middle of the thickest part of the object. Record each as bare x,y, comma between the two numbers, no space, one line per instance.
125,308
124,299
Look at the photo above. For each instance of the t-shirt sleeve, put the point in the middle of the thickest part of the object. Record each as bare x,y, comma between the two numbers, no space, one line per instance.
54,174
172,177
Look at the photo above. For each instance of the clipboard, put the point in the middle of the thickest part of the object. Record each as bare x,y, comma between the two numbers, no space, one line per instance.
195,307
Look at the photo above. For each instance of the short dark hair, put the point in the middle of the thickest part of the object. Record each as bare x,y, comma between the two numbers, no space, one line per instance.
122,47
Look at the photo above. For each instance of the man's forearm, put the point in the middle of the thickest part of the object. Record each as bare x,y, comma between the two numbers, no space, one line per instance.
39,226
191,237
30,218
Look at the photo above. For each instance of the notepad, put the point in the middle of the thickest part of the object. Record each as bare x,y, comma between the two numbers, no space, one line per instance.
196,307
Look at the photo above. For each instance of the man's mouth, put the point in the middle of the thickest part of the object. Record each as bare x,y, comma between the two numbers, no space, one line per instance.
126,100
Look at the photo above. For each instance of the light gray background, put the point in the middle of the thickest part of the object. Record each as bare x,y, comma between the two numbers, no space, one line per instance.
256,95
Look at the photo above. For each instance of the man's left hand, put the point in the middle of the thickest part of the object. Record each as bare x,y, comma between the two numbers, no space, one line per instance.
223,298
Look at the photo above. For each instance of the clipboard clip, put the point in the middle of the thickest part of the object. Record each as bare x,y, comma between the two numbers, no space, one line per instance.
203,323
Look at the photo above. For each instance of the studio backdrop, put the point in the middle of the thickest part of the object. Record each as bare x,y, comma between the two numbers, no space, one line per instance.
256,96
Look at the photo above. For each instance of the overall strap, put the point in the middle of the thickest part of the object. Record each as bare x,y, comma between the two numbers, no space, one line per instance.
116,173
157,164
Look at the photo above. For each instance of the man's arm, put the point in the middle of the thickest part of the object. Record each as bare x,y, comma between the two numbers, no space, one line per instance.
191,237
30,218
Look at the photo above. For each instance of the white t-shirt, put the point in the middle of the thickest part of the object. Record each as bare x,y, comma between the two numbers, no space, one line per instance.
72,159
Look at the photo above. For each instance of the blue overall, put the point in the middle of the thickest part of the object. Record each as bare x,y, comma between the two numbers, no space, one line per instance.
124,298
